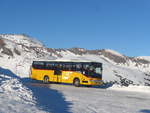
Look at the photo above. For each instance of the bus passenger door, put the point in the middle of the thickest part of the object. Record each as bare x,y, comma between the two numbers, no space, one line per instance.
57,75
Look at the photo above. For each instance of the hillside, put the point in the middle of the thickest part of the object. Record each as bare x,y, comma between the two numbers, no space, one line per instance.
18,51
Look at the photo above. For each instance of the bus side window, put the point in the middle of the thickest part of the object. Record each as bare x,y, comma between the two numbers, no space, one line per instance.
38,65
63,67
67,67
48,66
73,67
79,68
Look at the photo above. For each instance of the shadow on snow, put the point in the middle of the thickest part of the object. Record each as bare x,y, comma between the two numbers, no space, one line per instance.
145,111
47,99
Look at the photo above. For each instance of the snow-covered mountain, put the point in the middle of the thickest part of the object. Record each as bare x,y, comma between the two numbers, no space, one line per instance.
19,94
22,39
18,51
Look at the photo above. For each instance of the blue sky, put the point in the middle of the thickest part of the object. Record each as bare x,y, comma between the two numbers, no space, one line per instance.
121,25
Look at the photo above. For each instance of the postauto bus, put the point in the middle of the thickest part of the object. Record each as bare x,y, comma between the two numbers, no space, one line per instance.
72,72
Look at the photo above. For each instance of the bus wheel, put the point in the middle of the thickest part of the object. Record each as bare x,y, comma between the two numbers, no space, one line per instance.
46,79
76,82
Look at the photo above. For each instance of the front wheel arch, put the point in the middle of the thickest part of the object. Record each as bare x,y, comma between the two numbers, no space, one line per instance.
76,82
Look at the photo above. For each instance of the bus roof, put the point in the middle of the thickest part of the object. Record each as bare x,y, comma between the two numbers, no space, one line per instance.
72,60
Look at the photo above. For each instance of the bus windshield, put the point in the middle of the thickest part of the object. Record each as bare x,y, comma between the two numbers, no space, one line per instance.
93,70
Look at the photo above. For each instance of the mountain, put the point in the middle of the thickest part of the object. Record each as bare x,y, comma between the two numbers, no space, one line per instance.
18,51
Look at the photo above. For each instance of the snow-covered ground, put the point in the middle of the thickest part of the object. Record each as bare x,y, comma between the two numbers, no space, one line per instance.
98,100
20,95
15,97
131,88
23,95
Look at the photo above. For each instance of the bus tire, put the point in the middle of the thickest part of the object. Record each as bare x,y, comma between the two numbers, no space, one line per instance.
76,82
46,79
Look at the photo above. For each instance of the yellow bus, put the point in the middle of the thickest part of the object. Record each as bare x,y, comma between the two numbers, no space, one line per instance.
76,73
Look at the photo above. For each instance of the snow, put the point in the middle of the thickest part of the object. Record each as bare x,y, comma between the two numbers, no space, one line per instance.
131,88
145,57
114,52
26,96
22,95
15,98
23,39
97,100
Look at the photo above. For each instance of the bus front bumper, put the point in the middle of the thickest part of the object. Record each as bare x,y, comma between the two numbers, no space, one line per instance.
92,82
95,82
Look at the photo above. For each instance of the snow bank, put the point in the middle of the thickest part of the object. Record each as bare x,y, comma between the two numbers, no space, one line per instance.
131,88
15,97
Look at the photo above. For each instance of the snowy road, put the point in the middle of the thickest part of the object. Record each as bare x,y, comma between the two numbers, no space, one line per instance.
95,100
